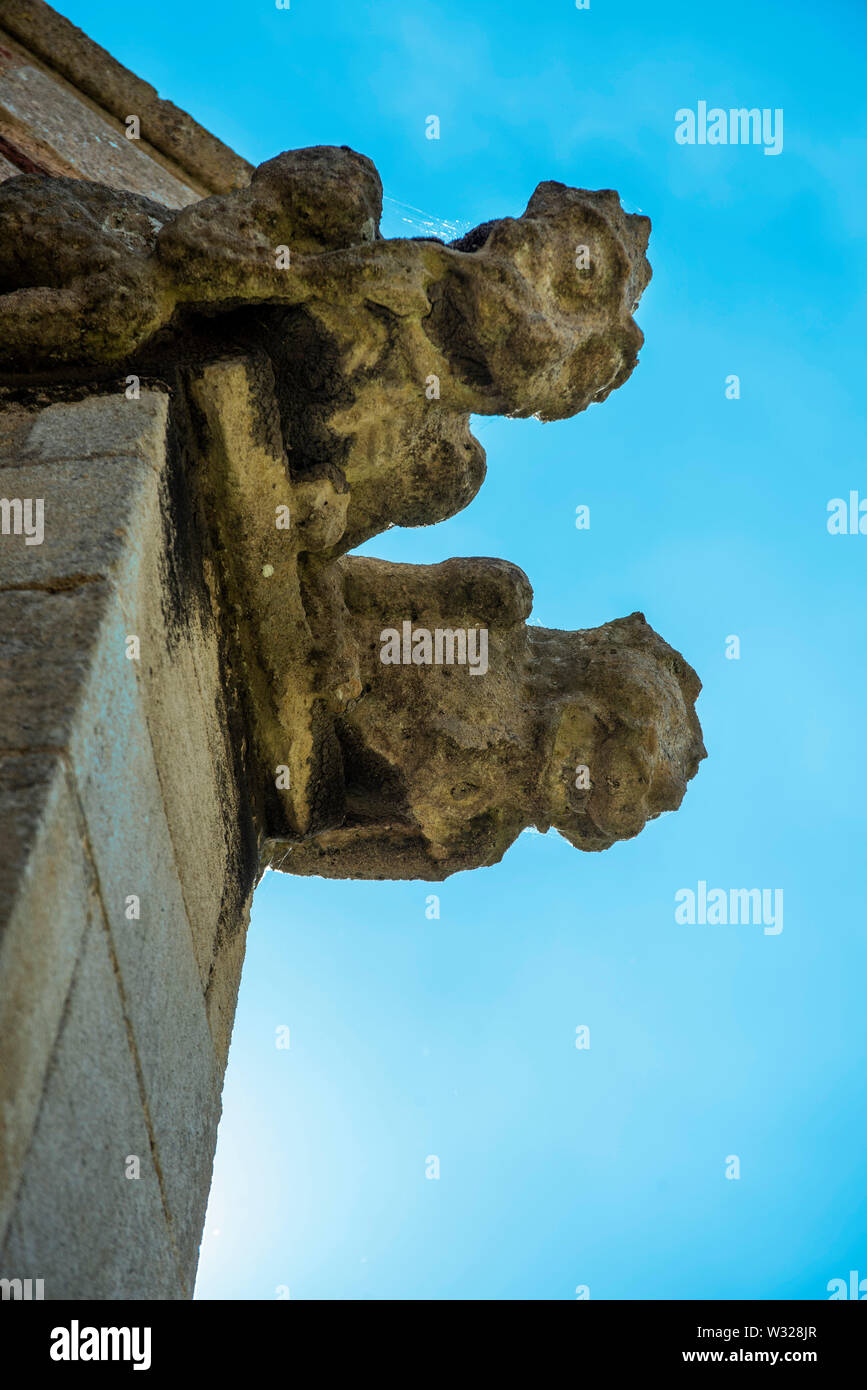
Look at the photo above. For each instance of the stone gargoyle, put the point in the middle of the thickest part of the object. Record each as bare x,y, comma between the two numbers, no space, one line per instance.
404,720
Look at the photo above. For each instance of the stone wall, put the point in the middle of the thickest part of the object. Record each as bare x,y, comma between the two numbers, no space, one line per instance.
126,892
128,858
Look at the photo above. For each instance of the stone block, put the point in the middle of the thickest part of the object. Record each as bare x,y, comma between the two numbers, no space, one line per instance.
45,886
90,1124
86,140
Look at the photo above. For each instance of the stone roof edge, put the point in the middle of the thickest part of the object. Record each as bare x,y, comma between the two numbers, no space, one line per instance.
59,44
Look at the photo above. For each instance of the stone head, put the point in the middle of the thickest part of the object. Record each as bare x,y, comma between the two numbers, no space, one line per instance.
624,736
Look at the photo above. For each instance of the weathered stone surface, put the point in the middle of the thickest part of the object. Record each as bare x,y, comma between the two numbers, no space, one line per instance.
75,138
91,1122
152,810
91,707
442,766
92,509
345,397
106,425
503,321
45,880
73,58
419,769
99,464
46,657
133,854
299,385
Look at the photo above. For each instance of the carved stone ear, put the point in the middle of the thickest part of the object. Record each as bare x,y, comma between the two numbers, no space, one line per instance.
331,196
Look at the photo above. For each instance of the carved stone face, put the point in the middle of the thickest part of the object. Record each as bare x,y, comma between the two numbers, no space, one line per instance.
544,309
632,734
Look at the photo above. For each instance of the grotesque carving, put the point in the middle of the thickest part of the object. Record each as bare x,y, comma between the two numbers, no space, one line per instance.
324,370
380,349
591,732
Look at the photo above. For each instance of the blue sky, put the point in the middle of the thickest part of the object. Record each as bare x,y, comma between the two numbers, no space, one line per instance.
455,1037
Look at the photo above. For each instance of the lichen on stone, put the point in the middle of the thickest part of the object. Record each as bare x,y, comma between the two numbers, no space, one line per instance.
319,367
